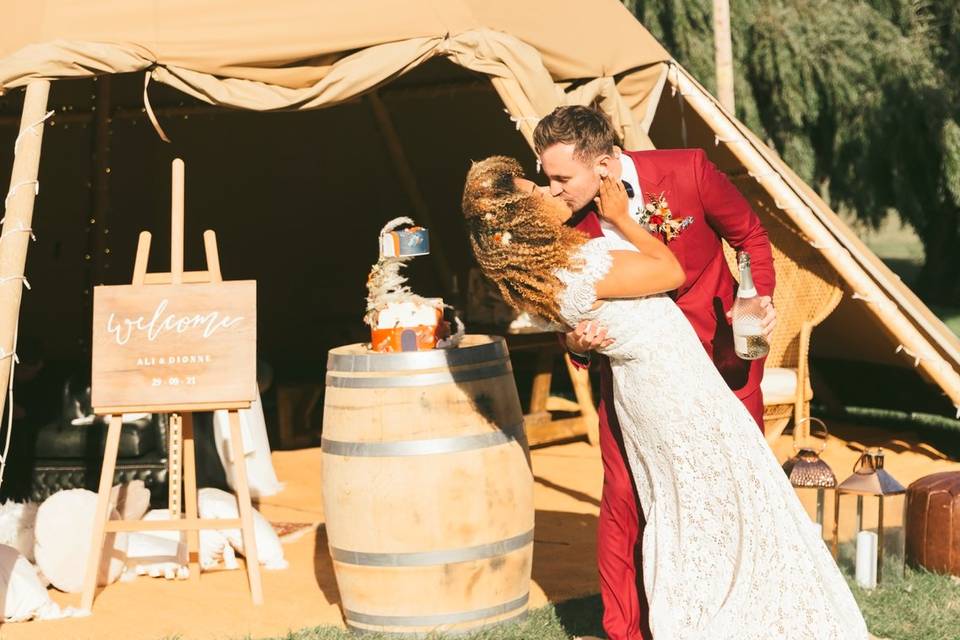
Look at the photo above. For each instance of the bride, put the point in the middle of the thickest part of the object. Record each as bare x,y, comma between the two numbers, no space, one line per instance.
728,550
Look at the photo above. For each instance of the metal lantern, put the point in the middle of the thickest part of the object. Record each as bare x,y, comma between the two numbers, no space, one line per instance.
807,470
869,479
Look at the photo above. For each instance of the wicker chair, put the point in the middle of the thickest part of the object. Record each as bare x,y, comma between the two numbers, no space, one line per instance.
807,292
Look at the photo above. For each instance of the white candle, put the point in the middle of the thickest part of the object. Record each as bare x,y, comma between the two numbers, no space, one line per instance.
866,573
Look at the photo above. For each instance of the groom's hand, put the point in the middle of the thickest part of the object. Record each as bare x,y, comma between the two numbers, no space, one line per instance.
587,336
769,317
769,320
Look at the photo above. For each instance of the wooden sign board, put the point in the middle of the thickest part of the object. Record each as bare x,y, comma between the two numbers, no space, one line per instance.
174,347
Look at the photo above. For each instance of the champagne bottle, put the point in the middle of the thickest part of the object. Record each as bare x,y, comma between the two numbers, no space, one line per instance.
748,340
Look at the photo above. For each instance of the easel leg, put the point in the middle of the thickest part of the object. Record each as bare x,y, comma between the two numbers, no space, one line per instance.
102,514
245,508
189,470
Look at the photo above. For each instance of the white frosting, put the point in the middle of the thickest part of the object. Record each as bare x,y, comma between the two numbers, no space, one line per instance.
407,314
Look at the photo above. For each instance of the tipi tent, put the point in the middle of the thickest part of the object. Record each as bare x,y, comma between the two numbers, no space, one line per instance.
374,109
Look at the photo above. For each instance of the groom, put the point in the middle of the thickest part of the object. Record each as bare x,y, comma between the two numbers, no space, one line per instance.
578,146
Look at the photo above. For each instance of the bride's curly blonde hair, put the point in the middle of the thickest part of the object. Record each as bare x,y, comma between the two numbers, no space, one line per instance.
518,245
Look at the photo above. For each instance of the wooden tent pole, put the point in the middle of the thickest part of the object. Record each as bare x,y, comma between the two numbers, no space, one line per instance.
408,181
16,232
176,221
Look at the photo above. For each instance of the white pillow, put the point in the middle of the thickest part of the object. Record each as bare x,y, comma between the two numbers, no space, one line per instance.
130,499
63,531
164,553
214,503
157,553
215,548
261,477
24,597
779,385
17,520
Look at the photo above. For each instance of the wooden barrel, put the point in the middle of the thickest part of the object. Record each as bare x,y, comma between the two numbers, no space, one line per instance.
933,522
427,488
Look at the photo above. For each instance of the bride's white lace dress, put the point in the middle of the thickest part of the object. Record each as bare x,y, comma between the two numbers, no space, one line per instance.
728,550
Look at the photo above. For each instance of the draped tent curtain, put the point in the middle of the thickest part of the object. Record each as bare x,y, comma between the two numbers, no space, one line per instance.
301,54
294,43
515,69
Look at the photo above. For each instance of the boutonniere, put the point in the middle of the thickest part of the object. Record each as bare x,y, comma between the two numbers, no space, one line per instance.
659,219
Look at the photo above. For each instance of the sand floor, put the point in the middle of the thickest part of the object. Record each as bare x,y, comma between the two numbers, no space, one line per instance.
568,481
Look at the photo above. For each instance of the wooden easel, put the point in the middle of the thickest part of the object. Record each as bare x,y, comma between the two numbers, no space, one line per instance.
181,431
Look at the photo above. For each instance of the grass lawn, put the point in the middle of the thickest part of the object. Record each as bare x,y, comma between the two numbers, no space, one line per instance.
561,622
918,606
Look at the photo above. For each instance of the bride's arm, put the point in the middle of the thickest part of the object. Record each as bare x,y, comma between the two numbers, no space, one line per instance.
653,270
633,275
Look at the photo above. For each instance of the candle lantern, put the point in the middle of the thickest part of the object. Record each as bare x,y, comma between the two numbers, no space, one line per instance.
806,469
869,478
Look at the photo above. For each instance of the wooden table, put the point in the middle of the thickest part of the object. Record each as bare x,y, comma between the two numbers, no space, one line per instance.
541,426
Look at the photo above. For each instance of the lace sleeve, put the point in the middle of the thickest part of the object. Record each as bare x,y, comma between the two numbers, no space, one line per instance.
580,293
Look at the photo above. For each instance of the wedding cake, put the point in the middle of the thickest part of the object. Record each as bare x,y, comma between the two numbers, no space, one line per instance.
399,319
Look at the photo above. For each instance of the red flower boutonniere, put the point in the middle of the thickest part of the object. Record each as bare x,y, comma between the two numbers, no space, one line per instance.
659,219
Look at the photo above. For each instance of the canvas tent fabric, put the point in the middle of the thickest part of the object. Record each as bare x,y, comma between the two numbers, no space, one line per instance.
303,55
299,55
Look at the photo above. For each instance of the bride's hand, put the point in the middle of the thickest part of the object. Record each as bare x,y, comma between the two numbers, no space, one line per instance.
612,201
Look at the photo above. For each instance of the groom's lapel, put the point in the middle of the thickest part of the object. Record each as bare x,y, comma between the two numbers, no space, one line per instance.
653,181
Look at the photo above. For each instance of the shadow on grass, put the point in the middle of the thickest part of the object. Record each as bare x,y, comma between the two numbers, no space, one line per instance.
581,616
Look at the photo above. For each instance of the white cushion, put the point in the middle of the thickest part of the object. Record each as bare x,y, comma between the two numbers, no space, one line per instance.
779,385
16,526
63,531
261,476
214,503
157,553
24,596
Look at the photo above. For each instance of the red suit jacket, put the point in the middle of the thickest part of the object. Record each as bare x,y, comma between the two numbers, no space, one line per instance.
693,186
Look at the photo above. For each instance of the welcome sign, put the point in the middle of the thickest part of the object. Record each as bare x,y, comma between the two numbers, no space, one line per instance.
157,347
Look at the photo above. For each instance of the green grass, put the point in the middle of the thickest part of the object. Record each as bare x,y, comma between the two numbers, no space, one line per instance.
910,603
558,622
916,606
921,606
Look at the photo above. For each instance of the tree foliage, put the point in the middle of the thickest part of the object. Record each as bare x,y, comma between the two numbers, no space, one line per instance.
859,97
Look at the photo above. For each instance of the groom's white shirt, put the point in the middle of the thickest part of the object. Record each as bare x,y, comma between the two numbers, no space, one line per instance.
634,205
